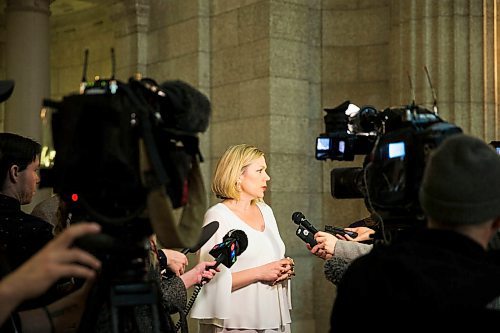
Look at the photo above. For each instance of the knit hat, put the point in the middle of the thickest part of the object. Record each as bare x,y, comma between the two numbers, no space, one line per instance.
461,183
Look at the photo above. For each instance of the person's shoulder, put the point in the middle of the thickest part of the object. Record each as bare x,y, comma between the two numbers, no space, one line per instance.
264,206
218,212
381,255
217,208
21,222
37,222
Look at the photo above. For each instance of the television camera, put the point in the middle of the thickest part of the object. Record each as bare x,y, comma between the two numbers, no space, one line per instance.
396,143
127,155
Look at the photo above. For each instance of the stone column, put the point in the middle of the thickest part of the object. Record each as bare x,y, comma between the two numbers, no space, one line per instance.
456,41
27,63
131,36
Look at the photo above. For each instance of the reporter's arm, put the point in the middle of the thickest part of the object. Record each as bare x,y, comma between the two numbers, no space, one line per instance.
351,250
199,272
329,246
52,262
61,316
325,247
364,234
10,297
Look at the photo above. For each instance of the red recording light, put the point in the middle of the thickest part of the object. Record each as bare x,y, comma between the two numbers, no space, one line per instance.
74,197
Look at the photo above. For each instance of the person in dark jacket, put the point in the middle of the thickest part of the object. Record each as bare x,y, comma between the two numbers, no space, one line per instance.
22,234
443,274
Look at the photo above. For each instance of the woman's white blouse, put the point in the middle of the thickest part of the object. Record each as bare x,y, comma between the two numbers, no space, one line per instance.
258,305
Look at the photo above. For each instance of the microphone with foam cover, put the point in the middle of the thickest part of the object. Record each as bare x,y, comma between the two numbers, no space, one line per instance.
233,244
239,237
335,268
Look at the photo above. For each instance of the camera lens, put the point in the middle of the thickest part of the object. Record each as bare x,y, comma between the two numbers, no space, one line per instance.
347,183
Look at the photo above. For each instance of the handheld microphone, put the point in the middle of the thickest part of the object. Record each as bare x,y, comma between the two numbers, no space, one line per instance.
305,230
300,219
341,231
206,233
233,244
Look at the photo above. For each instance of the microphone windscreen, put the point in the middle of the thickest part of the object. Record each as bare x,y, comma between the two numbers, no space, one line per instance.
188,109
335,268
240,237
297,217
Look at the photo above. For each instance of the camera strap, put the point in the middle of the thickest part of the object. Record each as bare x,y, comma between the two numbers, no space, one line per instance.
147,135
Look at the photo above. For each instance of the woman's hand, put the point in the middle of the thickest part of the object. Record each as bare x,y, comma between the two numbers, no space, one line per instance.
326,245
176,261
55,260
200,274
364,234
277,271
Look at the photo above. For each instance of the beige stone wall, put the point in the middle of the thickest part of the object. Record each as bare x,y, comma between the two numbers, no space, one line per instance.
271,66
71,34
454,40
3,69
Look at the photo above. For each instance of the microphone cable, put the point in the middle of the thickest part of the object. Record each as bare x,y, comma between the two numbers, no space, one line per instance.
189,305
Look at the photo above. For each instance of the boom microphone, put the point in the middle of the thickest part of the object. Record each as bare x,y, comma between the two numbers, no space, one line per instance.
299,219
206,233
335,268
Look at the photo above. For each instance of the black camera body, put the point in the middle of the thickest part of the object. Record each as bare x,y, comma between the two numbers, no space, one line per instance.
347,136
396,143
496,146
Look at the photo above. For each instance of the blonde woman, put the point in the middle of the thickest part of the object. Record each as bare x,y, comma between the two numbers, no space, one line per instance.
253,295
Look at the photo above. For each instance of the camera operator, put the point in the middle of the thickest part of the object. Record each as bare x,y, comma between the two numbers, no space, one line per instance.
442,274
54,261
166,267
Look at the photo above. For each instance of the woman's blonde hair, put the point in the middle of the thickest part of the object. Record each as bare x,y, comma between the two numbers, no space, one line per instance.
231,165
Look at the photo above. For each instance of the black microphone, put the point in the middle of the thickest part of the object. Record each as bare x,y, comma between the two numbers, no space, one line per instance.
341,231
299,219
335,268
306,230
233,244
206,233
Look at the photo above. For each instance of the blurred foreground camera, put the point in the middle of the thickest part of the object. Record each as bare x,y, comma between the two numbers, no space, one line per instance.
126,155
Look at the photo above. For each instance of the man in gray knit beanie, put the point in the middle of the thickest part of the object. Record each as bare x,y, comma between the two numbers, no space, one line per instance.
461,183
441,275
